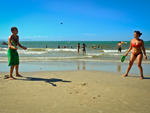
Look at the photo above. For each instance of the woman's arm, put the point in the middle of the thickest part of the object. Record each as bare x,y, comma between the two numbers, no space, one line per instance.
143,49
130,48
10,45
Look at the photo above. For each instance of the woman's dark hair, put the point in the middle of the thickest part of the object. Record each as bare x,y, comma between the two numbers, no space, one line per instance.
14,28
138,32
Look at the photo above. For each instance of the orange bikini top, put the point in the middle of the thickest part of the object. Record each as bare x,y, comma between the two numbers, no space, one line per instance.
136,44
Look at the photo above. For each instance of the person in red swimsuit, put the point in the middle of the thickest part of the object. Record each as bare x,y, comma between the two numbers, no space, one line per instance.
137,50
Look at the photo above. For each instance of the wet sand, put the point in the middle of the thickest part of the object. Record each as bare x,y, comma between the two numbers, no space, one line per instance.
74,92
76,65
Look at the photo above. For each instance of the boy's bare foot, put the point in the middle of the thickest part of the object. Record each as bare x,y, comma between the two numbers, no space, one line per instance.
125,75
12,78
18,75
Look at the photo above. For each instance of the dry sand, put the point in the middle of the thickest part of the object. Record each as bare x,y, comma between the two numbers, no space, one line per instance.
74,92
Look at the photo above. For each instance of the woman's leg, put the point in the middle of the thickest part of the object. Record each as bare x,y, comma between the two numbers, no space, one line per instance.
11,72
132,59
17,71
139,62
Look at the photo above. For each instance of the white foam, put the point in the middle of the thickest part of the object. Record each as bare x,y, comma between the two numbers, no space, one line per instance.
65,49
31,52
113,51
94,54
147,51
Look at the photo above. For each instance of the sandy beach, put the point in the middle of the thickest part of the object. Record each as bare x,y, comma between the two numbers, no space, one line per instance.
74,92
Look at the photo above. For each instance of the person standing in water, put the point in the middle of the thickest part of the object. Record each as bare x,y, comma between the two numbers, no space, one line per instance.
137,50
13,57
84,48
78,48
119,46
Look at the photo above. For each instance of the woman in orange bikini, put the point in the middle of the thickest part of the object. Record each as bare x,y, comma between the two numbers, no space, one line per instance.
137,50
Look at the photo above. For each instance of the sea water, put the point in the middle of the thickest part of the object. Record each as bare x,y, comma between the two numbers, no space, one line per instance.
68,49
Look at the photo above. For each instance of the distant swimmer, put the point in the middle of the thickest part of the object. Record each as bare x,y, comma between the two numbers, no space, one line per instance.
137,50
4,43
84,48
119,46
78,48
94,47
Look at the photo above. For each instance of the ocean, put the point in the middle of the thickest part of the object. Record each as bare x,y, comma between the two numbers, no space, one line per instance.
103,50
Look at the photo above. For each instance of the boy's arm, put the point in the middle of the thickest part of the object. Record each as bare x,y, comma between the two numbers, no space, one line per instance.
21,45
10,45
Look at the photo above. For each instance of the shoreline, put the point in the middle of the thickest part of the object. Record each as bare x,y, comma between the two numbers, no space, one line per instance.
45,59
75,65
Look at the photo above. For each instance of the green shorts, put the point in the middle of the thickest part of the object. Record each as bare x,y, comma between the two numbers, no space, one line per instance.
13,57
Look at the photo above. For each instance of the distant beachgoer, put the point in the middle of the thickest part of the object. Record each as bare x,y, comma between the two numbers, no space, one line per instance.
119,46
137,50
94,47
78,48
13,57
58,46
46,46
4,43
84,48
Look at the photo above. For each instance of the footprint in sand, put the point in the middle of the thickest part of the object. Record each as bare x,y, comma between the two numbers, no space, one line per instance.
94,97
98,95
70,93
83,84
77,92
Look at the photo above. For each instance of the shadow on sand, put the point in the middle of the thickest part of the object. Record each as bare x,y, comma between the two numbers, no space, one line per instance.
145,77
50,81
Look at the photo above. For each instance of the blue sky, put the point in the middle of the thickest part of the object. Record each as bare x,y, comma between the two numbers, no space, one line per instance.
99,20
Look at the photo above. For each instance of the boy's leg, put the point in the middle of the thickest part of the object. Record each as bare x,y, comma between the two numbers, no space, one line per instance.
11,72
17,71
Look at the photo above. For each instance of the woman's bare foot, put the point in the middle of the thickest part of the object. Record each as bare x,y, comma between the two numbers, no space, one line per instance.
124,75
18,75
12,78
141,77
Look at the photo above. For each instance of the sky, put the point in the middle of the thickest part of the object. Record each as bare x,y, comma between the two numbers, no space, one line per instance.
86,20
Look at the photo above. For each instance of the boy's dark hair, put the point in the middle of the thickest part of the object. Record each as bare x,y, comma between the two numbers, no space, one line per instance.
14,28
138,32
